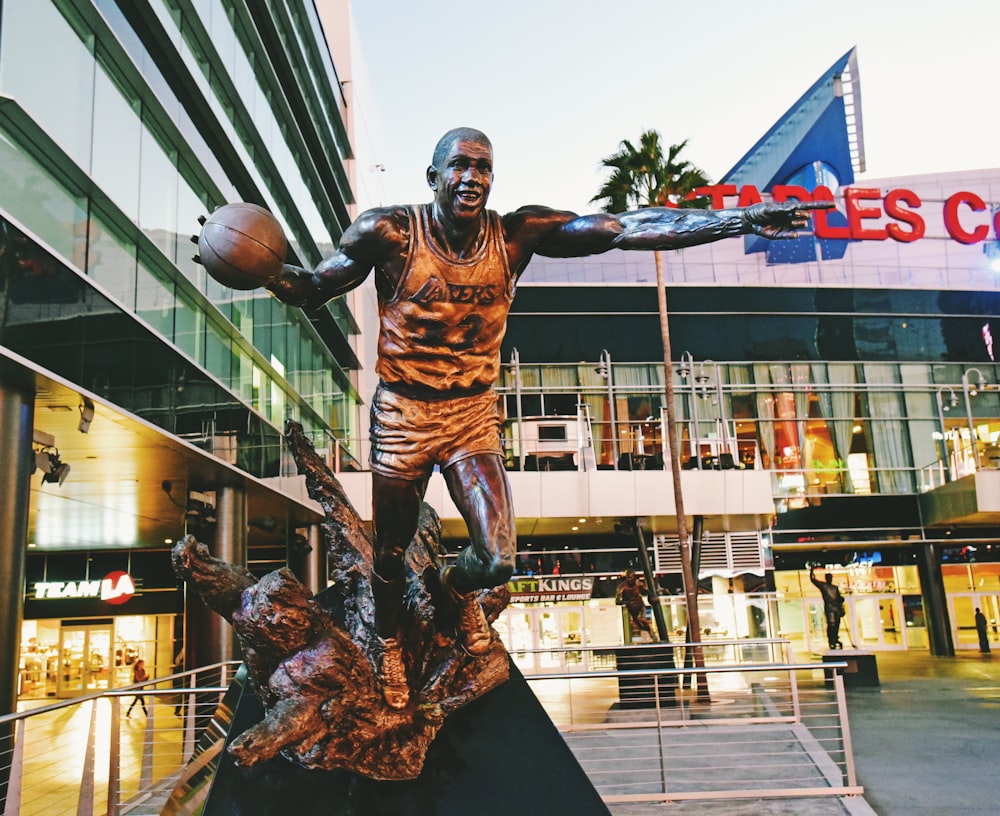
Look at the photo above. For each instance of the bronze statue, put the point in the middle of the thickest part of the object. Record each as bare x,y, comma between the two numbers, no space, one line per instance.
629,594
313,661
833,606
445,274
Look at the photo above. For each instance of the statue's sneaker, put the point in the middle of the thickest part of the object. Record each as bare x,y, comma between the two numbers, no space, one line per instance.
473,631
394,686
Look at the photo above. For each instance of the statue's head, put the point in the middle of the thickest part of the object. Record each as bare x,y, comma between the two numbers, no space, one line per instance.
630,576
461,174
829,578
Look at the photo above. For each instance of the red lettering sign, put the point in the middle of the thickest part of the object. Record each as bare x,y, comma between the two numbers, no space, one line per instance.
893,209
748,195
951,222
857,214
717,193
821,223
897,217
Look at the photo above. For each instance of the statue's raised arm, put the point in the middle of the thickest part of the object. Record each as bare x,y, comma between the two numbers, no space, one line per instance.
663,228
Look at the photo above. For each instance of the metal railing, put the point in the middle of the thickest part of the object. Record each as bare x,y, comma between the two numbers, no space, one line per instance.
117,752
760,730
588,657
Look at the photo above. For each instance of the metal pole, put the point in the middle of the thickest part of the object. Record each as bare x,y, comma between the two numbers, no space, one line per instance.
85,802
968,411
654,596
943,442
11,801
612,408
515,364
115,756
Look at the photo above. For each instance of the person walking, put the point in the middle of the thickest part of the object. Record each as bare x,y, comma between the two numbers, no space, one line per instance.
981,630
139,675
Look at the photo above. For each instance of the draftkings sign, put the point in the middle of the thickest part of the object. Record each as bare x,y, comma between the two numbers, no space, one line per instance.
550,589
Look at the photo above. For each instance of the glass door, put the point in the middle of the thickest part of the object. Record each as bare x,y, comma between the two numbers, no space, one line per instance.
542,627
85,663
962,609
874,622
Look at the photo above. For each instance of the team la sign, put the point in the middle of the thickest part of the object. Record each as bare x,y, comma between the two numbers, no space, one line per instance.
115,588
874,215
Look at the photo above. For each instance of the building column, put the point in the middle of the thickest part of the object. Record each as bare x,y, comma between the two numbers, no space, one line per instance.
935,601
210,636
17,407
17,463
310,565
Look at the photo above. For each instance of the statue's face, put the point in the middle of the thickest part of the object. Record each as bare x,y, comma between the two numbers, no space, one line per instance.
462,181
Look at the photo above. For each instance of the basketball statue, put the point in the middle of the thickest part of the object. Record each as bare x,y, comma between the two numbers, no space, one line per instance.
242,246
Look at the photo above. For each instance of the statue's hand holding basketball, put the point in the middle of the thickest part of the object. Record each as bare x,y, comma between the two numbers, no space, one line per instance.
242,246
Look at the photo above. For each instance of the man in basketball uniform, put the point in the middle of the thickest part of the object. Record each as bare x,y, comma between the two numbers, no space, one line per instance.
445,274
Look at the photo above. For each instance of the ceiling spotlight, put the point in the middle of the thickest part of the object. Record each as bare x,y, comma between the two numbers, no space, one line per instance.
53,470
86,415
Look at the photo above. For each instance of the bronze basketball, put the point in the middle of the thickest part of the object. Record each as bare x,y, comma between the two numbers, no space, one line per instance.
242,246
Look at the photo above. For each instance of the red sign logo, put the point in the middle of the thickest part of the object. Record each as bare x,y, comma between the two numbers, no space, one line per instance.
117,587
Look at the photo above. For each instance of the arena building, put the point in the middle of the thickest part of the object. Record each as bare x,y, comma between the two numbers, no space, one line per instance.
837,401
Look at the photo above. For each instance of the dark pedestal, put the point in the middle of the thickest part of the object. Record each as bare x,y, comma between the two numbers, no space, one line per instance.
500,755
861,671
639,691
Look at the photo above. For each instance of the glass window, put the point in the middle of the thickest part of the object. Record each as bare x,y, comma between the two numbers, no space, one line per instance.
190,205
243,374
158,195
118,135
189,328
218,357
59,95
111,262
262,323
154,300
35,198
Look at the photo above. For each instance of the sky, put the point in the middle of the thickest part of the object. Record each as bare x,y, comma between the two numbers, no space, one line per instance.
557,84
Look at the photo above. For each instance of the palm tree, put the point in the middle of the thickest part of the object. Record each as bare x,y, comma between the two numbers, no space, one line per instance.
646,177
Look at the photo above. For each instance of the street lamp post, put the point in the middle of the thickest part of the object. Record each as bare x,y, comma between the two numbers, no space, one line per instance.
943,443
971,391
686,370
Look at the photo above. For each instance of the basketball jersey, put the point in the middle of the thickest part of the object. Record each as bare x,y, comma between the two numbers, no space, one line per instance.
444,324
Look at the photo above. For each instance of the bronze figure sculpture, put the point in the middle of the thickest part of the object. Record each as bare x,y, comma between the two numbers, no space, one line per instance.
445,274
629,594
833,606
312,661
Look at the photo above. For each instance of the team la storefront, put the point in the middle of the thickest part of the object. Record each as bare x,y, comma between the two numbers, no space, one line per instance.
83,633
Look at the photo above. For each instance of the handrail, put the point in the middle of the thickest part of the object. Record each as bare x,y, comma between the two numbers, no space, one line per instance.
122,691
140,761
744,667
761,732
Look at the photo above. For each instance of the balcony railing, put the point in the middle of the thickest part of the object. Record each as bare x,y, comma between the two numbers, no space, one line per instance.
116,752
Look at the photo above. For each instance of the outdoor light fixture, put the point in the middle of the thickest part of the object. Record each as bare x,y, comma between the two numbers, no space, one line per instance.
86,415
970,390
54,471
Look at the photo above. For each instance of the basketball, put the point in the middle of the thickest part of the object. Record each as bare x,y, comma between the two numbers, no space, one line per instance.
242,246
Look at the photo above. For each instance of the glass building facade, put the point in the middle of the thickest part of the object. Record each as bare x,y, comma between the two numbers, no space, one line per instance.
121,125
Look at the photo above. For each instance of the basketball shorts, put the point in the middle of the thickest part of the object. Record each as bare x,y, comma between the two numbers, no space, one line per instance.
410,436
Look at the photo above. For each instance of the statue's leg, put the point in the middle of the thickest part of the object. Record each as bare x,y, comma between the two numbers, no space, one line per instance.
832,629
395,512
479,487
